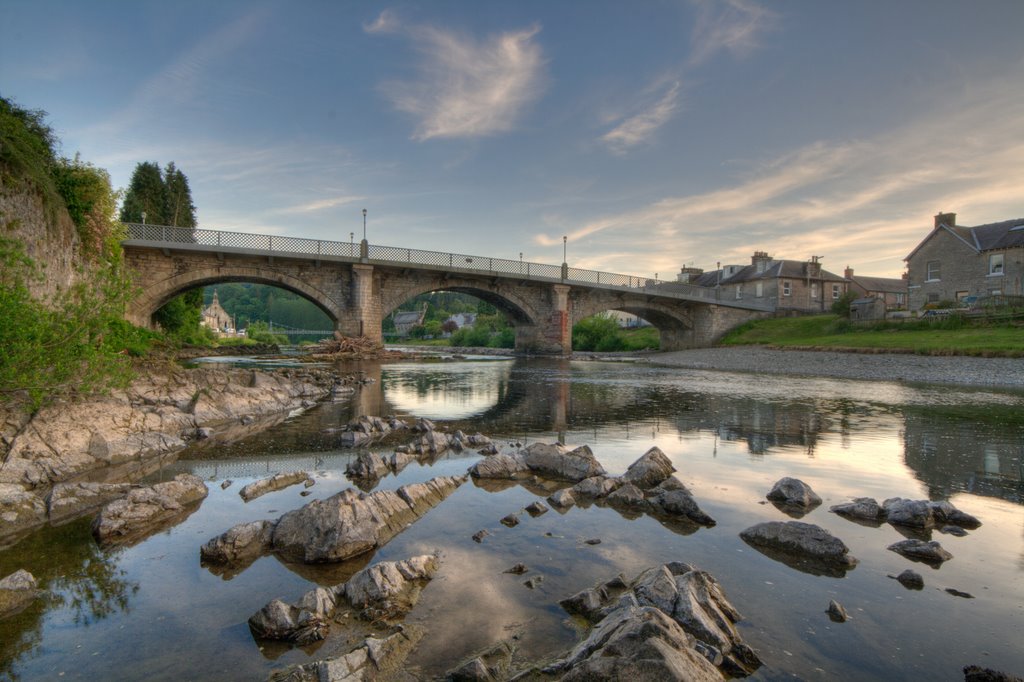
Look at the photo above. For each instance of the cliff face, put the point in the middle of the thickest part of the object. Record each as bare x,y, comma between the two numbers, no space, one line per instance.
52,243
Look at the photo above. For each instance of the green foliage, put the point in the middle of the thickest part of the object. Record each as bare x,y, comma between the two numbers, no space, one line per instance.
841,306
27,151
260,332
178,207
146,193
65,346
179,318
248,302
602,333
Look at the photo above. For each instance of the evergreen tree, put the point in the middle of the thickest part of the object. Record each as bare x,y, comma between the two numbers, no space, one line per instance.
146,192
179,209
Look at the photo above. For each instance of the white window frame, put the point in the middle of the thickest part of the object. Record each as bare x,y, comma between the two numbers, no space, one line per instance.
759,289
995,264
836,292
934,271
814,290
739,291
787,287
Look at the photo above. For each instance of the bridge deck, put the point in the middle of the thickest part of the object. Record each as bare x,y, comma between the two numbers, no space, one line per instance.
241,243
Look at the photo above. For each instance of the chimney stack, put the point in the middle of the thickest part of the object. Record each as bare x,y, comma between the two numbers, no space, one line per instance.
848,272
947,219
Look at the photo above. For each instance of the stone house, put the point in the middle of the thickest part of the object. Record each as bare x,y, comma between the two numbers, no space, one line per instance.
890,290
954,262
789,285
216,318
407,319
867,308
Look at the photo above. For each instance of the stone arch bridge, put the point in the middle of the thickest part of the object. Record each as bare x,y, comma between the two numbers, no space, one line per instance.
358,284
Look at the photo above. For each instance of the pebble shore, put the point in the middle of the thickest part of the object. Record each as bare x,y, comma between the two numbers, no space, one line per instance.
956,370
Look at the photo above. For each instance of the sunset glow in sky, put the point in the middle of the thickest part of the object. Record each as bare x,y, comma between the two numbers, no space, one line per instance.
653,134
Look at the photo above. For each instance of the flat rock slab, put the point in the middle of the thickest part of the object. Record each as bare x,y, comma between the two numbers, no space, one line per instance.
350,523
278,481
919,550
243,543
144,511
374,659
803,546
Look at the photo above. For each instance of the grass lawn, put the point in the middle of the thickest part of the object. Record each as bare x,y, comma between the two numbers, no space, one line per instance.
941,337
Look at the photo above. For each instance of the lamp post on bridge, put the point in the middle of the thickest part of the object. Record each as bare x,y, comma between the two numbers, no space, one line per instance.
364,247
565,261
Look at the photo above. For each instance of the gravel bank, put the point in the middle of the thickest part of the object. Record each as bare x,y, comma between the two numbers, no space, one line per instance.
969,371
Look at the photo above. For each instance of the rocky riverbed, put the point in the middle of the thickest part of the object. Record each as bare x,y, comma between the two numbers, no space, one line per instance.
68,459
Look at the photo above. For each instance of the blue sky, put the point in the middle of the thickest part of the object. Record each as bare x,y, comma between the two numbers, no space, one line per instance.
654,134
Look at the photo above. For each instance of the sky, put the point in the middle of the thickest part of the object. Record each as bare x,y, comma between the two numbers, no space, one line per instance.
653,134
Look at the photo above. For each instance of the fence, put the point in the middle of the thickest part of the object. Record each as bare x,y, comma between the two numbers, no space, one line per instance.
241,242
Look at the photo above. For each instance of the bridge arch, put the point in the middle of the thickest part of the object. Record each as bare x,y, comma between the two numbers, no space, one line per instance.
157,294
518,310
674,322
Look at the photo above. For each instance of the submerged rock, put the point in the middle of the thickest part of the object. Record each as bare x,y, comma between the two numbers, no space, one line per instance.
562,499
147,509
350,523
919,550
650,470
241,543
803,546
555,460
536,509
683,607
384,591
17,591
278,481
374,659
863,509
71,500
836,612
792,492
911,580
390,588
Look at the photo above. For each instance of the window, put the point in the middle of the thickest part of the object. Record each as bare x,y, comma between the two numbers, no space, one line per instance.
934,272
759,289
836,293
787,288
995,264
899,299
739,291
995,292
814,290
961,295
933,298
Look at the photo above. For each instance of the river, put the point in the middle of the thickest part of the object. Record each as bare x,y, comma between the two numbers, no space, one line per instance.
151,611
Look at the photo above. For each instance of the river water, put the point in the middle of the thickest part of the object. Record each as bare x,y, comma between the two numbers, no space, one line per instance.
151,611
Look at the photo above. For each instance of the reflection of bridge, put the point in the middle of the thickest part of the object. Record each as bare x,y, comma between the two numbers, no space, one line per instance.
358,285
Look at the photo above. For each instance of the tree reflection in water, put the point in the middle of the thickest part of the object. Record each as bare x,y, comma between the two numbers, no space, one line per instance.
75,575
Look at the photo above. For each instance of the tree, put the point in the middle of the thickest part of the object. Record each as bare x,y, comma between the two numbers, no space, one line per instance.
178,208
147,193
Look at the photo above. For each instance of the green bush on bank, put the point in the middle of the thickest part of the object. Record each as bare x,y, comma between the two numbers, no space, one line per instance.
602,333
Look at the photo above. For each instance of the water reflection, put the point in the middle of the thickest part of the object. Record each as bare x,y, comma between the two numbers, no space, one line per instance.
81,581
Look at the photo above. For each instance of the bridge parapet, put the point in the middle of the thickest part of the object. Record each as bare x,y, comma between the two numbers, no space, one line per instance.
220,241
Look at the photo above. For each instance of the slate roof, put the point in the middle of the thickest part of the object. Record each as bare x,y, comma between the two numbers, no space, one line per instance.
883,284
990,237
776,269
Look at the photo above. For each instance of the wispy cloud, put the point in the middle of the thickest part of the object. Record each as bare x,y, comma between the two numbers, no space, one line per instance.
733,26
466,87
864,202
640,127
320,204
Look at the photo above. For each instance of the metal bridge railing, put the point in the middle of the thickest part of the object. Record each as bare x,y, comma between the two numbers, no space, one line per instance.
203,239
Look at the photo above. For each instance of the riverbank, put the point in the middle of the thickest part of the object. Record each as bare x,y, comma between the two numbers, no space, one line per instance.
956,370
78,449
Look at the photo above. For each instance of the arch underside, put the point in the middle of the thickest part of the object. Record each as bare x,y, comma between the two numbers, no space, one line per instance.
157,295
515,310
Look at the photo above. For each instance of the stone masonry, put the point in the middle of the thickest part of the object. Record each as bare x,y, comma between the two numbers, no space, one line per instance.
358,296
